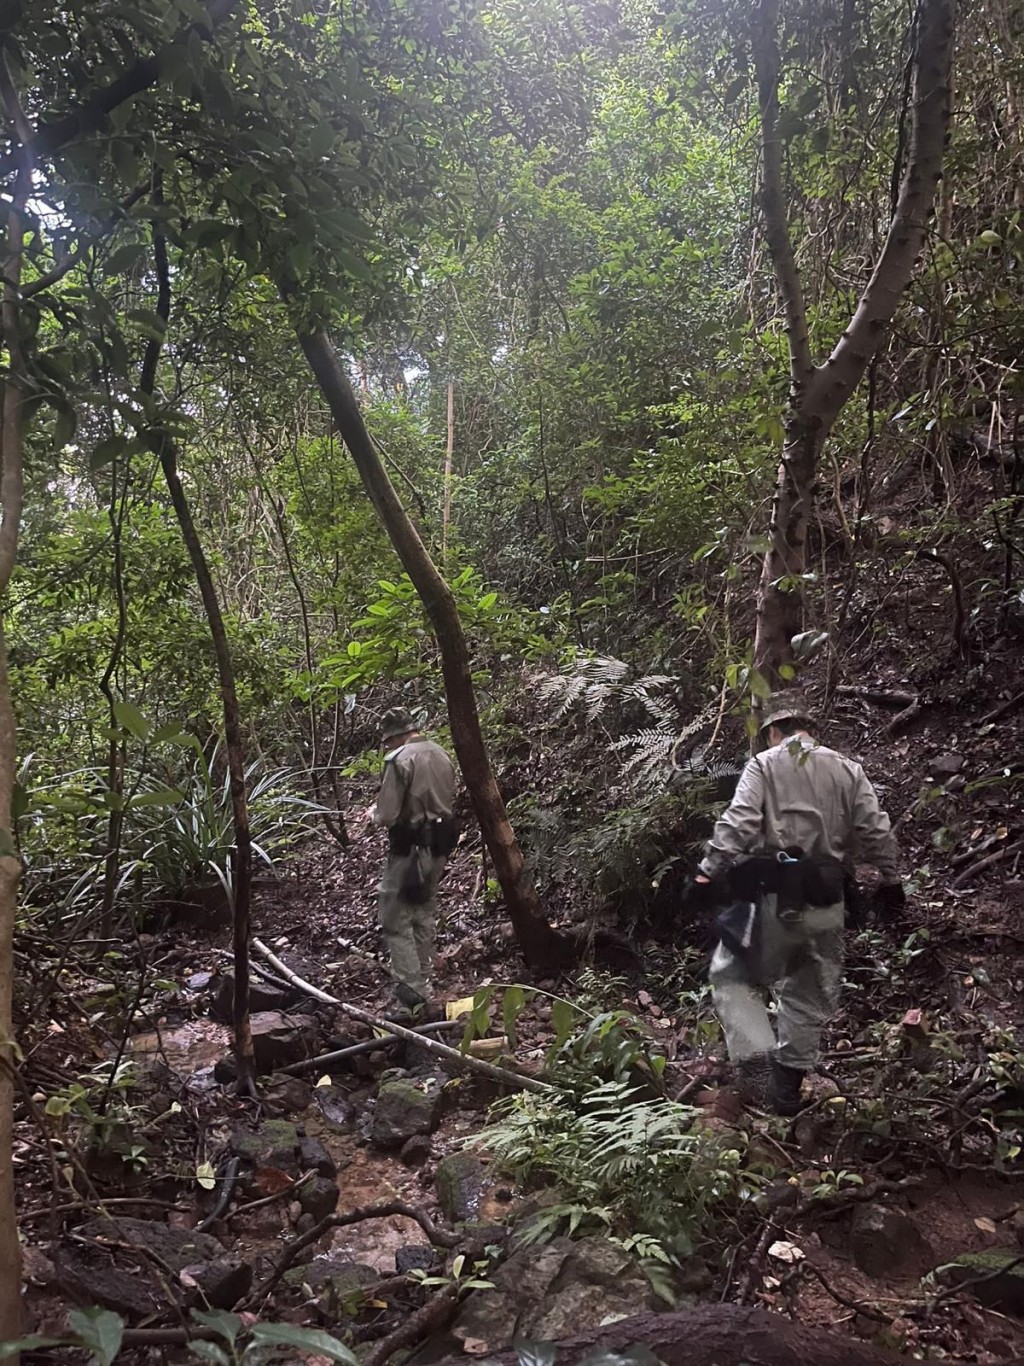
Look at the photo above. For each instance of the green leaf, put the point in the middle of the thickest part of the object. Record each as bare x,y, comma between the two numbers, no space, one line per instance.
131,719
511,1004
321,140
32,1343
100,1331
208,1351
307,1339
228,1325
563,1017
123,258
161,796
106,451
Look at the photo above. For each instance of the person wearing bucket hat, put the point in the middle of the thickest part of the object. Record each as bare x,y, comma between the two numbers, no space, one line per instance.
415,806
801,814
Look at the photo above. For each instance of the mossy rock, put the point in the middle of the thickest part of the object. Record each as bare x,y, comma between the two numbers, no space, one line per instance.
1003,1286
459,1182
403,1110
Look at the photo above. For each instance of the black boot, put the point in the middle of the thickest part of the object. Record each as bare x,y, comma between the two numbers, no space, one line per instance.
754,1080
784,1092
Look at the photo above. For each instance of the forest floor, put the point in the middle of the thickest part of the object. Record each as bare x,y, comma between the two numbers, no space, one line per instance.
925,1050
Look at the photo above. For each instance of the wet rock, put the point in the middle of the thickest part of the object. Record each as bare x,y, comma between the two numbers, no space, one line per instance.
415,1150
178,1247
693,1276
89,1277
402,1110
1017,1224
885,1242
943,766
288,1094
337,1281
563,1289
304,1223
415,1257
274,1144
319,1197
336,1107
459,1182
220,1283
1003,1288
313,1156
261,998
225,1072
279,1039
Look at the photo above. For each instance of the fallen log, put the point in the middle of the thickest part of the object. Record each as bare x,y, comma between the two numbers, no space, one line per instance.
716,1335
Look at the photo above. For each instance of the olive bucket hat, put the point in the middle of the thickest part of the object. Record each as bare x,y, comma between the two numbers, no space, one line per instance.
787,706
397,721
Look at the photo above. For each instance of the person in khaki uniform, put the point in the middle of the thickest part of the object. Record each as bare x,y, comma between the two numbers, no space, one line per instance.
797,800
415,803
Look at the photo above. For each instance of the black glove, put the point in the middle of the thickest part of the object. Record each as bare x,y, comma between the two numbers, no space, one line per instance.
701,895
891,900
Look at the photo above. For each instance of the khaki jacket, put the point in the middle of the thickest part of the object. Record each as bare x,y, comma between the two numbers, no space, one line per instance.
418,783
802,793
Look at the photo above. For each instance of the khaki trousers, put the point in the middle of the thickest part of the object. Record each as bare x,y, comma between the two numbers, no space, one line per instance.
800,964
408,928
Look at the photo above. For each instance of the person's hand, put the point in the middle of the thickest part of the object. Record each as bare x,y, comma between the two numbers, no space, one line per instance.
891,900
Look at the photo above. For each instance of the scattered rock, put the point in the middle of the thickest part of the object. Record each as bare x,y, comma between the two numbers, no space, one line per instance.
1005,1288
459,1181
313,1156
220,1284
693,1276
274,1144
304,1223
402,1110
177,1247
415,1150
944,766
319,1197
336,1107
288,1094
279,1039
336,1280
885,1242
415,1257
564,1288
261,998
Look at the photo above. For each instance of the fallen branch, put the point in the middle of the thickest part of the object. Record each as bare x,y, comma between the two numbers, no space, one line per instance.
278,1195
1014,701
910,703
756,1263
433,1315
858,1306
435,1235
367,1046
984,863
441,1050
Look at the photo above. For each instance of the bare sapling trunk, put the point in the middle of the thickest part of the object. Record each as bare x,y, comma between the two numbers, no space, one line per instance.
819,392
15,389
541,945
160,442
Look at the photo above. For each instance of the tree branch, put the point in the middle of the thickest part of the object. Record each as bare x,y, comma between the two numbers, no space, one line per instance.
72,258
836,380
773,206
90,115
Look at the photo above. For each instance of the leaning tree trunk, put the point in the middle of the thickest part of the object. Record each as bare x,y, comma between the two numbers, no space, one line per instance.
819,392
160,442
12,427
541,945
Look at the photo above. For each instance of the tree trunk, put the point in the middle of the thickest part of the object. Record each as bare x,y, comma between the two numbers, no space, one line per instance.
818,393
159,441
12,435
719,1335
541,945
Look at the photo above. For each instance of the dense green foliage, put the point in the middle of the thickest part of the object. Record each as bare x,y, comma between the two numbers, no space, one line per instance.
544,218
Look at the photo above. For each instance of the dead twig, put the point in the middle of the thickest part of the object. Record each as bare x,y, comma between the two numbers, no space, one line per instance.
754,1266
971,1283
437,1236
994,715
366,1046
433,1315
984,863
858,1306
269,1199
462,1060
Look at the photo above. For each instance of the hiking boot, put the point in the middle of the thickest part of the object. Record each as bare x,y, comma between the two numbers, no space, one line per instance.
784,1091
754,1080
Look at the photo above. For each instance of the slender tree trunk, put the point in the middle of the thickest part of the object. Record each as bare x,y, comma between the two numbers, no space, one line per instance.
11,498
159,441
818,393
541,945
449,451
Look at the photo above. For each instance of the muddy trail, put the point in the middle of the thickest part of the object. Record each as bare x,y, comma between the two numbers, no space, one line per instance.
350,1200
